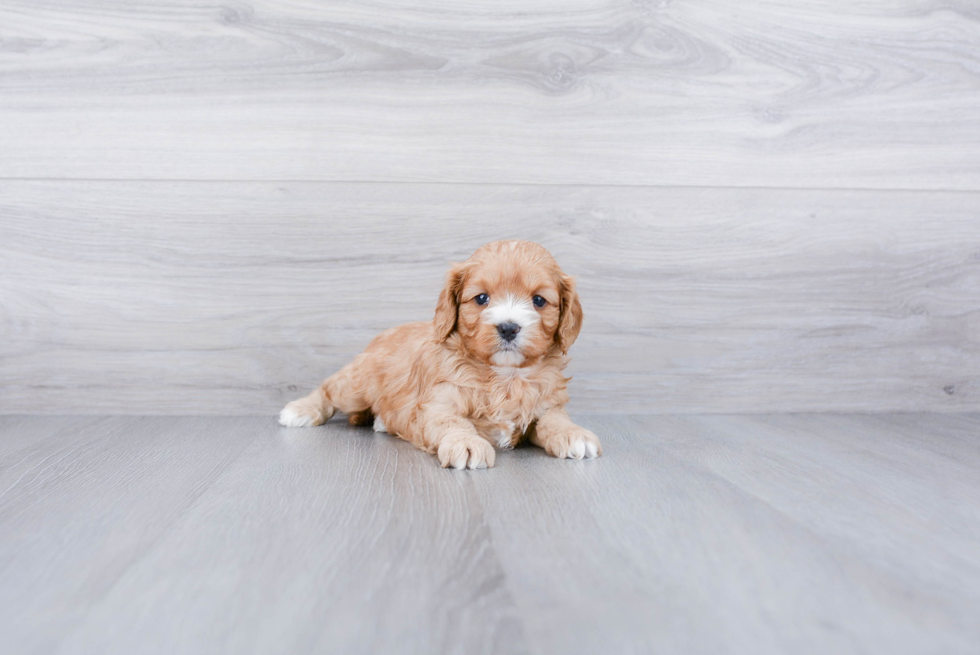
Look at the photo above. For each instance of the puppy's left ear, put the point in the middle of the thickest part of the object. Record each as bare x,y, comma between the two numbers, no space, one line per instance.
570,314
447,309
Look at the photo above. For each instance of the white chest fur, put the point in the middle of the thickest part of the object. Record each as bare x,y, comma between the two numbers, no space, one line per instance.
514,400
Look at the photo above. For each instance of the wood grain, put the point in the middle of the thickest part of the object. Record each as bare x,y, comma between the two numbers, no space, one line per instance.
26,433
883,470
658,546
819,94
84,504
331,539
697,534
213,298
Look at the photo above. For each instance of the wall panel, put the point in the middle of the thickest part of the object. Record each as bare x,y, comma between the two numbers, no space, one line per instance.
226,298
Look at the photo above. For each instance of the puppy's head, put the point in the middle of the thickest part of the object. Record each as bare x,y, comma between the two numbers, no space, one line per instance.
510,304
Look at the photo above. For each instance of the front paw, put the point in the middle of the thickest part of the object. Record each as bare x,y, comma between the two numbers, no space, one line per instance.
573,442
466,452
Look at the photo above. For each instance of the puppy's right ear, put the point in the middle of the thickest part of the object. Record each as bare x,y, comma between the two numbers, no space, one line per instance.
447,309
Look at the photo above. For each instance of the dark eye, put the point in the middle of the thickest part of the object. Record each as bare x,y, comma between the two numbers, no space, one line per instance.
482,299
539,301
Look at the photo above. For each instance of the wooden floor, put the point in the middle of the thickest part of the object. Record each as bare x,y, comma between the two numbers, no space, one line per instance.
697,534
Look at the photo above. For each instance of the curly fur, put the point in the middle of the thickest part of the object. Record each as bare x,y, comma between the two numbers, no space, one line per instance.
454,386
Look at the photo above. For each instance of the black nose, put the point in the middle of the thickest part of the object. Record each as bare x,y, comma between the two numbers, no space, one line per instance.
508,331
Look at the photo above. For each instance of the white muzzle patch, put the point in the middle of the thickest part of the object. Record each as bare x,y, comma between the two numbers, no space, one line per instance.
511,310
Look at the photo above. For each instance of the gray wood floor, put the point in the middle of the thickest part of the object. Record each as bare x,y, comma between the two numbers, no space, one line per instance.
703,534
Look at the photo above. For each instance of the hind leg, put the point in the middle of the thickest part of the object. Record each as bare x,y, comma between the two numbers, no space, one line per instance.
340,391
365,417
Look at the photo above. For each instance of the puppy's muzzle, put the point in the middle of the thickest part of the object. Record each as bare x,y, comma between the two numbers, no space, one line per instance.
508,331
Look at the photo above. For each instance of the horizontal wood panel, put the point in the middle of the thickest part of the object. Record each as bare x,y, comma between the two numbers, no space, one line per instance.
228,298
776,94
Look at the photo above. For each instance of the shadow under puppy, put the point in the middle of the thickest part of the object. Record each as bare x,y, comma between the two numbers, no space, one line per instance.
485,373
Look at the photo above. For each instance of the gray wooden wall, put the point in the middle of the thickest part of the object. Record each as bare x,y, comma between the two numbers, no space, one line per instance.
770,206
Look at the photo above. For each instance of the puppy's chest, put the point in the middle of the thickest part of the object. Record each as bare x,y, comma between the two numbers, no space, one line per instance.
509,405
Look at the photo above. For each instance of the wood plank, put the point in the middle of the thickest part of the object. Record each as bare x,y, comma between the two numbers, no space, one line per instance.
862,95
954,437
329,539
211,298
775,534
655,547
25,433
78,510
890,499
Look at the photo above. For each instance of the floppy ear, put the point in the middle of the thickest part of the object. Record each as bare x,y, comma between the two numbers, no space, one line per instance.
570,314
447,309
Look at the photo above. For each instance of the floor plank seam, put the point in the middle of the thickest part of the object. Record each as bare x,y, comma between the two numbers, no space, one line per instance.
158,541
28,449
830,546
492,548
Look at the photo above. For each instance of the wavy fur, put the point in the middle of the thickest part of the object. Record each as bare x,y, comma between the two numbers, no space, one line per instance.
440,385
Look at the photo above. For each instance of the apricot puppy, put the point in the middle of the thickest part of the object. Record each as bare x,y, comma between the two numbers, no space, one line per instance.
485,373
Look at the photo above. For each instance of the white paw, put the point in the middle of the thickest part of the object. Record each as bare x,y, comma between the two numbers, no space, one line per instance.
581,448
466,453
295,415
573,443
379,425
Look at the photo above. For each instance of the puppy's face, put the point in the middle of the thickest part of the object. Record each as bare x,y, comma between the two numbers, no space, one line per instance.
510,303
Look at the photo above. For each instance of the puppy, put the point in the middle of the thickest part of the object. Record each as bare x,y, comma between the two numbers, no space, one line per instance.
485,373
